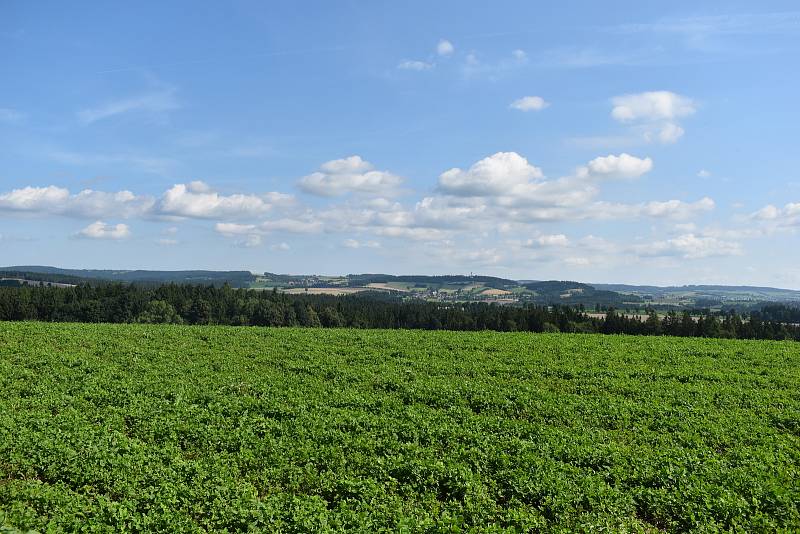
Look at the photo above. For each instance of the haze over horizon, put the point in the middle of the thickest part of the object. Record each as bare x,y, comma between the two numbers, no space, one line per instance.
613,143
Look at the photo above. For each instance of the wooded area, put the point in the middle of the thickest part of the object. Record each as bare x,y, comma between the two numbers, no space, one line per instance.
187,304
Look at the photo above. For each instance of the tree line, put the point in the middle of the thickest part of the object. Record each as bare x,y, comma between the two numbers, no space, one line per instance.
191,304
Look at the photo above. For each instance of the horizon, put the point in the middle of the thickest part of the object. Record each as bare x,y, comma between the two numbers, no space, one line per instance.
644,145
335,275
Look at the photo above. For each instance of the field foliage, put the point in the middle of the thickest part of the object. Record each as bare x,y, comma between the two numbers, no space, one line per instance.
178,428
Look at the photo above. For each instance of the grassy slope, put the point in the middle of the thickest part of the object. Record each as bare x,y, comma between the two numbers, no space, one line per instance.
181,428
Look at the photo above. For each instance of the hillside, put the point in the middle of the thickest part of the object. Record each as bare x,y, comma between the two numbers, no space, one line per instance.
234,278
444,288
691,294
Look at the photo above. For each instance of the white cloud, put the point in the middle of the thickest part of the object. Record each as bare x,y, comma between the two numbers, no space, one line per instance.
668,134
555,240
651,106
294,226
689,246
767,213
530,103
158,101
244,235
416,234
495,175
519,54
410,64
445,48
667,209
656,113
280,247
198,200
251,234
502,196
349,175
702,173
506,180
53,200
353,243
788,215
621,166
101,230
230,229
194,200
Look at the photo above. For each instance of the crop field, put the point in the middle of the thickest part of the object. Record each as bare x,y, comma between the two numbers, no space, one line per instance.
185,429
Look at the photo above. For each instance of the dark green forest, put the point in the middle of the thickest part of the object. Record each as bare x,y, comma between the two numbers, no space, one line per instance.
192,304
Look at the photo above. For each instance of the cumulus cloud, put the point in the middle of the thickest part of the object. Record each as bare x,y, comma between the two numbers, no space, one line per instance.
507,193
621,166
198,200
530,103
788,215
101,230
508,180
655,113
495,175
651,106
349,175
53,200
445,48
502,193
193,200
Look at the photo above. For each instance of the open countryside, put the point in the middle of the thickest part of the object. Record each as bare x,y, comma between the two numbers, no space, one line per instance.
414,267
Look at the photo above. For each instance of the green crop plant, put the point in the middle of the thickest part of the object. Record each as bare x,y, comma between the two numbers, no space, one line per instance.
186,429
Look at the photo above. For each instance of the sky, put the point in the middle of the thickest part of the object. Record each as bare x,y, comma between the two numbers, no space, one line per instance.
620,142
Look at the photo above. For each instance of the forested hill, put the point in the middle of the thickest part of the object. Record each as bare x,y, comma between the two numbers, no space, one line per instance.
194,304
233,278
575,293
441,288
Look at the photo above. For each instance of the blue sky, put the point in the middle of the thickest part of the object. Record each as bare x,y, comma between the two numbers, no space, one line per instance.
603,142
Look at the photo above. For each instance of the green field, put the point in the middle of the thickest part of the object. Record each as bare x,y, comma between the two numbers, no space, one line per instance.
164,428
